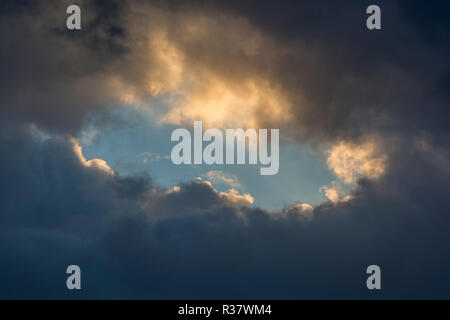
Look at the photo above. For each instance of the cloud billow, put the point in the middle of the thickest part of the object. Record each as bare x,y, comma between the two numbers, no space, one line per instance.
134,239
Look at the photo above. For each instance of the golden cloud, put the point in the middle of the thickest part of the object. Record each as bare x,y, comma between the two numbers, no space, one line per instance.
234,197
351,161
334,193
96,163
212,68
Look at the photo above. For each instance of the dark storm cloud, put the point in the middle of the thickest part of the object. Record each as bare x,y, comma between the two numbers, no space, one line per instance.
133,239
49,76
363,80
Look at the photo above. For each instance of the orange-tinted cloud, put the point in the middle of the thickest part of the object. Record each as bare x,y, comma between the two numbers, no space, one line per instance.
351,161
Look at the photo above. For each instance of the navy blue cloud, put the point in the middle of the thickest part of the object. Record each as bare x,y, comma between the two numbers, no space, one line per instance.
133,239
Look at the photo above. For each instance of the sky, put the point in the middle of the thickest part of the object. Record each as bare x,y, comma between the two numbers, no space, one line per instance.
144,146
87,179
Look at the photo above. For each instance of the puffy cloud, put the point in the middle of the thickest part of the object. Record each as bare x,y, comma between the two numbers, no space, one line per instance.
172,244
99,164
302,210
351,161
176,53
233,196
331,193
145,52
220,177
225,67
334,192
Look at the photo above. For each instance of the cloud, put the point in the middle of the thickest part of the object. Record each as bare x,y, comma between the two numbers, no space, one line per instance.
233,196
177,54
351,161
220,177
321,80
148,157
99,164
334,192
225,67
146,51
134,239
